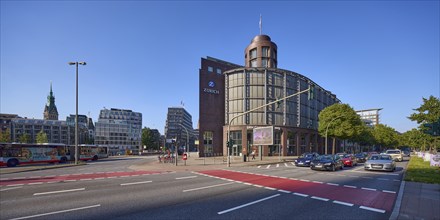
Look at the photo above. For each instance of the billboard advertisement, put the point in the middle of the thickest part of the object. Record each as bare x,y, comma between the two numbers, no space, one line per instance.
263,136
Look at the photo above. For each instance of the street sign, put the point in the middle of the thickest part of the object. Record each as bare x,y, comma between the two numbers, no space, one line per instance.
184,156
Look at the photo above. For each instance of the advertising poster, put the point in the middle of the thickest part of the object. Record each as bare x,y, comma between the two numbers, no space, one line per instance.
435,160
263,136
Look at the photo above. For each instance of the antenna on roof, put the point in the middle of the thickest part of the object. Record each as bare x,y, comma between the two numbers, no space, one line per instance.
261,24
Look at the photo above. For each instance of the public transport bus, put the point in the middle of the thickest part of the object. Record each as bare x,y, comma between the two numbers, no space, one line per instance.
90,152
13,154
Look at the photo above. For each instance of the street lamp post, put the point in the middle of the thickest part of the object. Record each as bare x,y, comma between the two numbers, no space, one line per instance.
326,131
76,114
187,140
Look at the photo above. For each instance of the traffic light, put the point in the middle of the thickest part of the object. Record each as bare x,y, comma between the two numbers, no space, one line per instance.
311,93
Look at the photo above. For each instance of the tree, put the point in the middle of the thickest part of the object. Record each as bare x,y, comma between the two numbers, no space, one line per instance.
428,115
25,138
5,136
42,137
342,122
150,138
385,136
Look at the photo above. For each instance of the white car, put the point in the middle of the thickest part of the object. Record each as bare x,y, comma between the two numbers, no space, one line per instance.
395,154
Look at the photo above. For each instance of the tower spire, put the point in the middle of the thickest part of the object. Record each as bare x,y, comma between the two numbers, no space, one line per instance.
261,24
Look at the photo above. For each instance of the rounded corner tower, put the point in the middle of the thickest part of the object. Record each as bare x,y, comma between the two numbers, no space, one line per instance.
261,52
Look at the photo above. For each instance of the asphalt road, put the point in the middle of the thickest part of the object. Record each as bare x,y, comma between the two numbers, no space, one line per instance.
110,190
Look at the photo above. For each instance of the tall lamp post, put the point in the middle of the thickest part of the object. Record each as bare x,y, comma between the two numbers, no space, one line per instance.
76,114
326,131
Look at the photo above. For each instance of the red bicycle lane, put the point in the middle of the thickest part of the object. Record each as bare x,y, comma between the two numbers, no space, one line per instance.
356,196
71,177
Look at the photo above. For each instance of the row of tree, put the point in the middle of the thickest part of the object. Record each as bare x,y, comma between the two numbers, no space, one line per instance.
340,121
5,137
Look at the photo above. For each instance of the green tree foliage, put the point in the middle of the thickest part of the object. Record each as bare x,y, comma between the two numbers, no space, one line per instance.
341,121
413,138
5,136
25,138
150,139
42,137
365,138
428,112
385,136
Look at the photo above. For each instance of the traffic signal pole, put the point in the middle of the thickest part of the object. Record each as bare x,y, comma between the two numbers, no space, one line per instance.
229,143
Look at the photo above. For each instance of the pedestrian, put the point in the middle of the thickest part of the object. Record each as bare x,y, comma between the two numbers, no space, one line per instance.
253,154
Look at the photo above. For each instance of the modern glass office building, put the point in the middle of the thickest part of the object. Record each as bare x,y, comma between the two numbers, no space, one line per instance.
258,82
179,126
119,129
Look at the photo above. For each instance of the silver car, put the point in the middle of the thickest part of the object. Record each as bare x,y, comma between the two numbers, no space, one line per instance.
380,162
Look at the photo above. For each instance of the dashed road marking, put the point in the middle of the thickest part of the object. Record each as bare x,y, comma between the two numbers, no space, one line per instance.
372,209
319,198
342,203
300,194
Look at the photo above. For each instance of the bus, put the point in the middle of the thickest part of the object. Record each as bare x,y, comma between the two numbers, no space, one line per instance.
90,151
13,154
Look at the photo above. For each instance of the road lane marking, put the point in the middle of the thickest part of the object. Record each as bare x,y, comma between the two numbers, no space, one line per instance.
372,209
247,204
57,212
85,179
135,183
348,186
386,191
269,188
186,177
268,166
207,187
285,164
300,194
284,191
37,183
368,189
333,184
278,165
259,167
11,188
342,203
304,180
16,185
319,198
60,191
292,163
382,179
318,182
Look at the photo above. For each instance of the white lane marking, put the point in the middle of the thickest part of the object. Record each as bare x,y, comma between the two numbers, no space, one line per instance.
257,186
278,165
186,177
135,183
382,179
100,178
342,203
37,183
317,182
284,191
85,179
259,167
16,185
292,163
319,198
396,180
207,187
69,180
368,189
18,178
57,212
300,194
53,182
269,188
372,209
268,166
285,164
60,191
333,184
304,180
11,188
386,191
349,186
247,204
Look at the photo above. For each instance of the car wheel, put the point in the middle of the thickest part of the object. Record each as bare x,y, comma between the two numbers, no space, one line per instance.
12,163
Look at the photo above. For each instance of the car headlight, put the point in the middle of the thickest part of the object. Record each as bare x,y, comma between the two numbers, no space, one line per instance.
296,161
328,164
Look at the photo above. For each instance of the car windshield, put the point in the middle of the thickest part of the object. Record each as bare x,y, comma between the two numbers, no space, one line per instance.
347,156
380,157
393,152
325,157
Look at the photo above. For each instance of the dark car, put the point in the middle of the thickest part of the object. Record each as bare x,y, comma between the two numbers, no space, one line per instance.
327,162
361,157
305,159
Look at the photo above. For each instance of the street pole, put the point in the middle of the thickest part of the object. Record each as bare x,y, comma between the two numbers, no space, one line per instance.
326,131
76,113
187,142
254,109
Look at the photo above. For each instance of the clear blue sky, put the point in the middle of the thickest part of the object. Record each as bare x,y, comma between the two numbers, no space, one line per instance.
145,55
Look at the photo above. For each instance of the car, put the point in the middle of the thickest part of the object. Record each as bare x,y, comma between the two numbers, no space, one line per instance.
305,159
361,157
349,160
395,154
327,162
381,162
406,153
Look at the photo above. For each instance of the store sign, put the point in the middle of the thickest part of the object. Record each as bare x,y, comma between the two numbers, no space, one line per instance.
211,84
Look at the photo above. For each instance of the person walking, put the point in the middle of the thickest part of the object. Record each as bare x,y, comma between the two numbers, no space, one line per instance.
253,154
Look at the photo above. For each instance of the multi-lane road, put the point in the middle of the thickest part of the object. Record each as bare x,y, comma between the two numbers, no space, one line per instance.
110,190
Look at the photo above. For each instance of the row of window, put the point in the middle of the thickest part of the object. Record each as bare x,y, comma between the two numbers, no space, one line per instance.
211,69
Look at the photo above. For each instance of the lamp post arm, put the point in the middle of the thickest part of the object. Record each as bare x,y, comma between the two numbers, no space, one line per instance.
326,131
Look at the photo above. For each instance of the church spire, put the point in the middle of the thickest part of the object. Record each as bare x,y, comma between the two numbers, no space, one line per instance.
50,110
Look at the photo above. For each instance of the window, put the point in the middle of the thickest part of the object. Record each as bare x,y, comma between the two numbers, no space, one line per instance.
207,141
210,69
219,71
265,52
254,63
264,62
253,53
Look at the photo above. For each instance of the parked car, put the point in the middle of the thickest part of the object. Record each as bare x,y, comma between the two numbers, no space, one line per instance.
349,160
406,153
327,162
380,162
305,159
395,154
361,157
